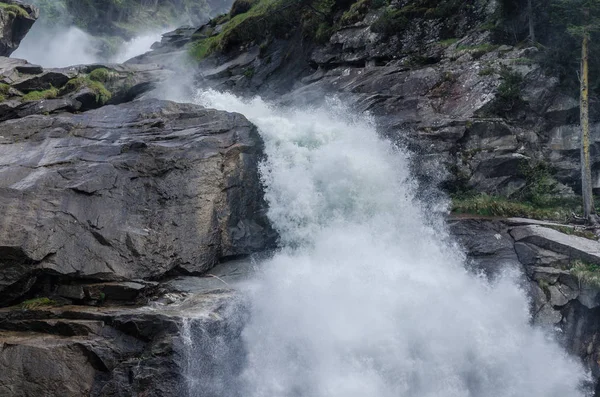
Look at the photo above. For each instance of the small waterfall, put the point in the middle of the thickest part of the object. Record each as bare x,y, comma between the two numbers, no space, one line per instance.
368,295
213,353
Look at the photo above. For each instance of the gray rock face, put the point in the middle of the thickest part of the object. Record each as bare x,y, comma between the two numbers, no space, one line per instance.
119,351
76,88
441,98
127,192
572,246
16,18
559,300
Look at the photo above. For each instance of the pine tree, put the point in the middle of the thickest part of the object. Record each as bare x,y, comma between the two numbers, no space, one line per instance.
582,18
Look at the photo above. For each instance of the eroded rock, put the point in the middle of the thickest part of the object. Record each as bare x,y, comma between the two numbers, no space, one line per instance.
16,18
127,192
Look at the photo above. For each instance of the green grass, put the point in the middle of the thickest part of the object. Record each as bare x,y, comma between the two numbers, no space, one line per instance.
37,302
103,95
14,10
263,19
448,42
481,48
4,89
486,205
102,75
356,12
488,71
588,273
572,231
50,93
522,61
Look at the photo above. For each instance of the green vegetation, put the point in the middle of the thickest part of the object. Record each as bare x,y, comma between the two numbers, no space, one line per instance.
541,189
102,75
390,22
573,231
356,12
588,273
448,42
485,205
487,71
247,27
102,94
4,91
522,61
265,20
509,92
39,95
477,51
36,303
249,72
14,10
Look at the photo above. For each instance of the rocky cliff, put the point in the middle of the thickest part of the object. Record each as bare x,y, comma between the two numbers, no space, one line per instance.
107,198
456,83
113,202
16,19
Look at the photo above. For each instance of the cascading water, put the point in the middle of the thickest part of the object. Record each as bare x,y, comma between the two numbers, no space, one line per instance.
366,297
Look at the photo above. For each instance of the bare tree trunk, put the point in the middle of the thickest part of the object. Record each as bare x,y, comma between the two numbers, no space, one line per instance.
586,172
531,21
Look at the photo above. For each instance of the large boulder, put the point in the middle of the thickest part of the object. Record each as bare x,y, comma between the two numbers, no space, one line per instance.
16,19
135,191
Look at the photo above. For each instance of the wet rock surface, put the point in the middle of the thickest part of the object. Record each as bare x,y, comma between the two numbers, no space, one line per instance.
116,351
563,297
28,89
135,191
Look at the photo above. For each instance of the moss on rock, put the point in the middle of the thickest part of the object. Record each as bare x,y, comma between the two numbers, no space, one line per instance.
50,93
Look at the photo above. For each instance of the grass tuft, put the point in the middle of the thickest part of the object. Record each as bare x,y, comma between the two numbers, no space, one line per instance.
14,10
50,93
37,302
486,205
102,75
588,273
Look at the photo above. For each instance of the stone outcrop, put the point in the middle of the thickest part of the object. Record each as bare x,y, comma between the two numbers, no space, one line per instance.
135,191
437,85
16,18
27,89
558,271
120,351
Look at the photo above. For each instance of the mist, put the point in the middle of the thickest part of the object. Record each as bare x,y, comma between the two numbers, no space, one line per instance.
58,47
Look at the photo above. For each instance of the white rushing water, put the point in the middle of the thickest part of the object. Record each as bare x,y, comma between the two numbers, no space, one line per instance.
365,297
137,46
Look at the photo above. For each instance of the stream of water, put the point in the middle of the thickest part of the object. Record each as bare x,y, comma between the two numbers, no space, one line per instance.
368,296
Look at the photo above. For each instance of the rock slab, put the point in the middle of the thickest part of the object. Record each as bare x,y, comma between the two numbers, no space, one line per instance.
134,191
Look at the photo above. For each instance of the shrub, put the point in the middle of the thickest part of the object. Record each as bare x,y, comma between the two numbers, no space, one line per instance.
355,13
540,186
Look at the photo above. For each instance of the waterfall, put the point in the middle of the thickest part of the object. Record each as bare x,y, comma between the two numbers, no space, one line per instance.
367,296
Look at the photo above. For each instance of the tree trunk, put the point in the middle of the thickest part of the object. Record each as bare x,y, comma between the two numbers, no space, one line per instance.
531,21
586,172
